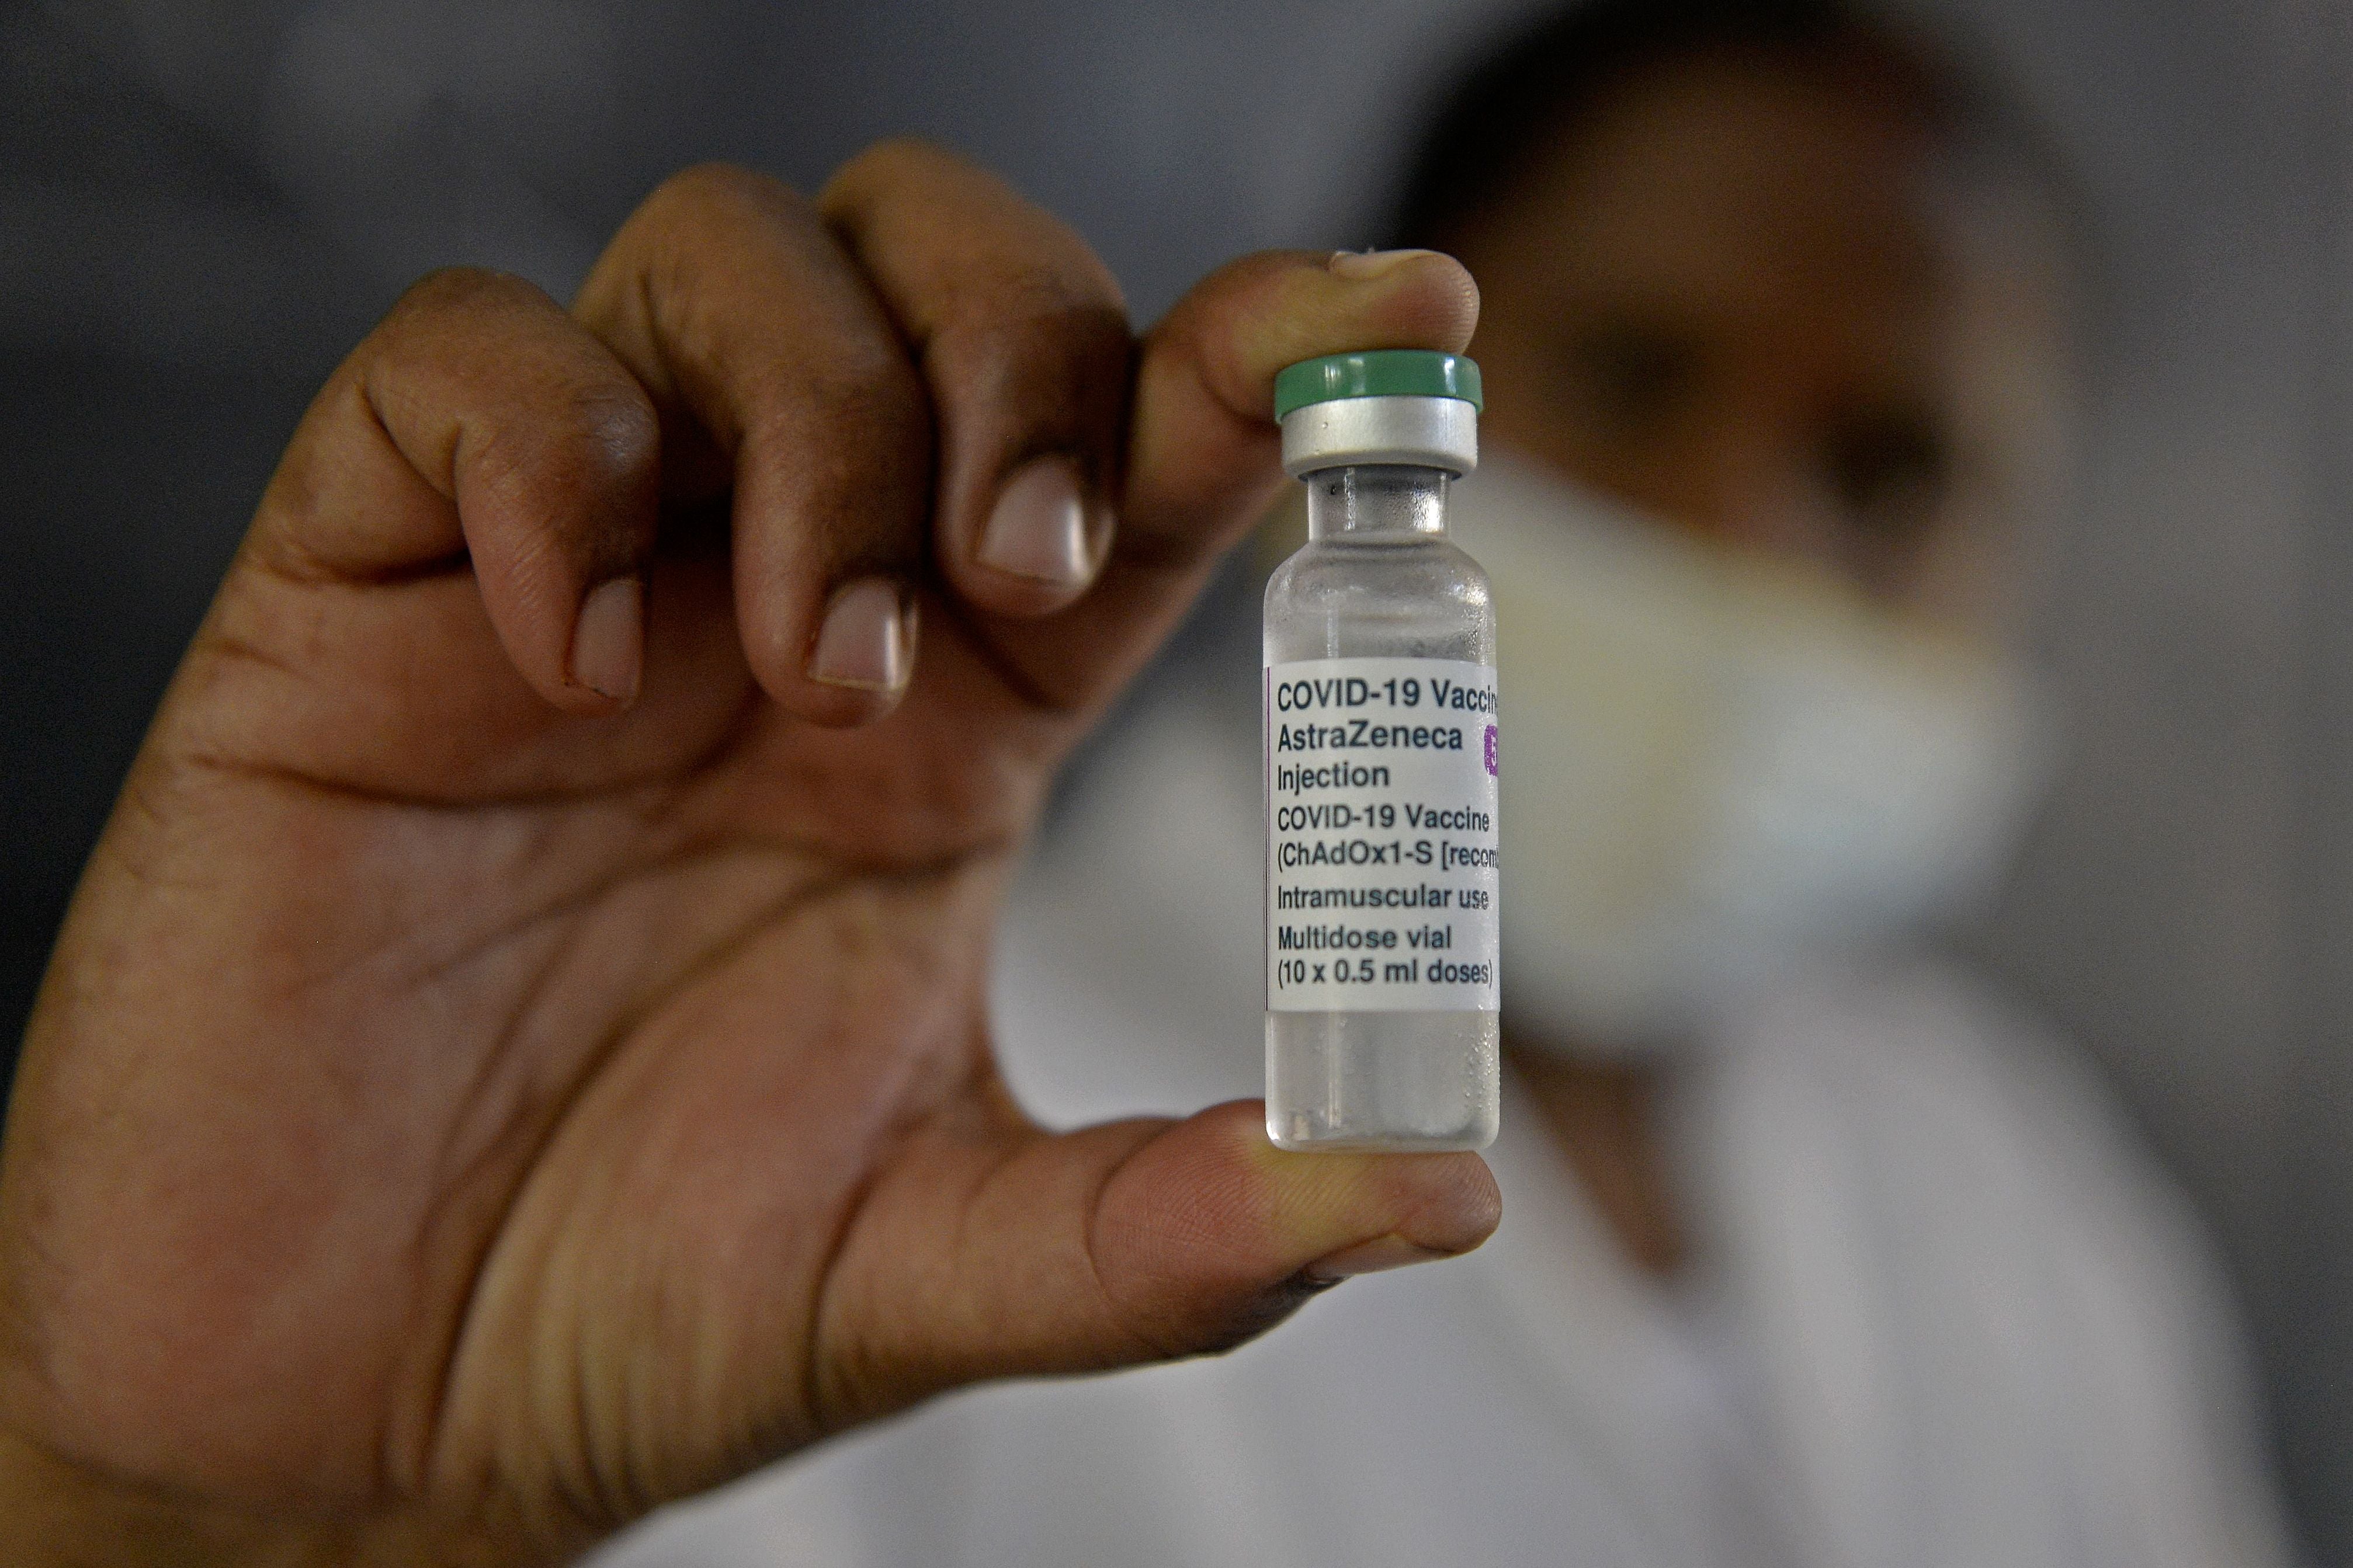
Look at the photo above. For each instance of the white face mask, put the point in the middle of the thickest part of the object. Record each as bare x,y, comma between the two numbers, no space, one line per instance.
1717,765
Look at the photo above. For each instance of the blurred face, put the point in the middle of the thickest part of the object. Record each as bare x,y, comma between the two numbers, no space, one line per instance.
1732,297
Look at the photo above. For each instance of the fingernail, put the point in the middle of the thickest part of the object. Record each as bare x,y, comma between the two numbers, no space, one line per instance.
868,641
1039,527
1360,265
608,641
1371,1257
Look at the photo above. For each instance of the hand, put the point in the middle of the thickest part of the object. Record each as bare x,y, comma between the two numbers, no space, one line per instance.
518,1053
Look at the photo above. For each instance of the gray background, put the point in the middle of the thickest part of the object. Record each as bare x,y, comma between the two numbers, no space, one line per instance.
202,205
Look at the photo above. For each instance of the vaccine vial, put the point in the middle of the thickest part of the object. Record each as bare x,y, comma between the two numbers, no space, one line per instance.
1381,767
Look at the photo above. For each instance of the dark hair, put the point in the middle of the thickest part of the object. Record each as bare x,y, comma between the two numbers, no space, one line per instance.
1539,83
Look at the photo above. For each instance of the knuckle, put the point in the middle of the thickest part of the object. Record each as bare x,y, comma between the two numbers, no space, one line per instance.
470,290
873,399
1063,308
435,334
1035,331
615,433
584,448
892,160
696,194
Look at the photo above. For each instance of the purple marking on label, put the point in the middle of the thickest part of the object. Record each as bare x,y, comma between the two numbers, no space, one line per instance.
1491,751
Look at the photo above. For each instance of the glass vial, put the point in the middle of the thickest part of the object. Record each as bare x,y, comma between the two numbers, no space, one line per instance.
1381,760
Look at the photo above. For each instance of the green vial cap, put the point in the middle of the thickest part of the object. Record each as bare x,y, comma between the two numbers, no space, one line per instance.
1376,373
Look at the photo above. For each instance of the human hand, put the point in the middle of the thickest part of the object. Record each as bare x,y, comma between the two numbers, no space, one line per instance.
507,1063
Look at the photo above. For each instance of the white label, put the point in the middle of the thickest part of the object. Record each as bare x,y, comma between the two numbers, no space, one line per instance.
1380,836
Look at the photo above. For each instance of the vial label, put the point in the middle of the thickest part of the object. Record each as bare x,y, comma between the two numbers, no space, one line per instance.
1380,835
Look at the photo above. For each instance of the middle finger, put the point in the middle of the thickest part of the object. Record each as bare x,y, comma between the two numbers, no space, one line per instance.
776,370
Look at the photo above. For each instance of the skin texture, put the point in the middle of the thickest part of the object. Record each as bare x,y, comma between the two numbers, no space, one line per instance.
471,1105
1737,296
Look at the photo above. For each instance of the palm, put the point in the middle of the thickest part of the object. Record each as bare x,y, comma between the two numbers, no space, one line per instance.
688,988
448,1107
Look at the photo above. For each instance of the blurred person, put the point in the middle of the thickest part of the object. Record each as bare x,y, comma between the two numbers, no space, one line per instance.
1815,1252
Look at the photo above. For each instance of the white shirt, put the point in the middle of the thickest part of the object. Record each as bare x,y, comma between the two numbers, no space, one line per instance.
1943,1311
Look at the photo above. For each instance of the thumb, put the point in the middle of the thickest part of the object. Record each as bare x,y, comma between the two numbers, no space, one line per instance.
1010,1252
